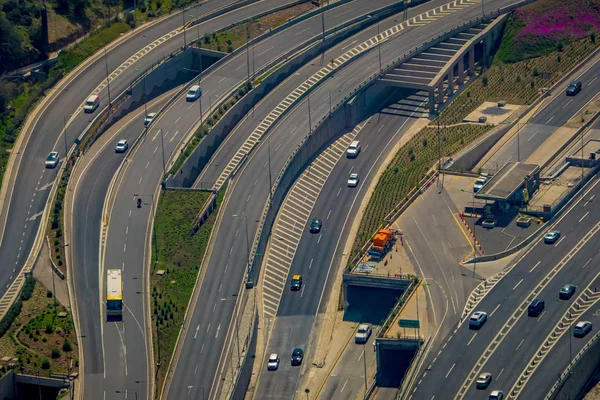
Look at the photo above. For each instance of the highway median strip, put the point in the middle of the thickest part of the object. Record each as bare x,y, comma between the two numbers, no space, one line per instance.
176,262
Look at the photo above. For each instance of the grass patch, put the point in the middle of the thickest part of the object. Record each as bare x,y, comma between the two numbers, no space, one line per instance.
229,40
38,340
180,256
517,83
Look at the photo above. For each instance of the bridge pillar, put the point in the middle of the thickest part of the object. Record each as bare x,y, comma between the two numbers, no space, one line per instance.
461,70
432,99
471,61
441,92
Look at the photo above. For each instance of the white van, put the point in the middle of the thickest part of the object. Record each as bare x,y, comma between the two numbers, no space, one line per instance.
353,149
194,93
91,104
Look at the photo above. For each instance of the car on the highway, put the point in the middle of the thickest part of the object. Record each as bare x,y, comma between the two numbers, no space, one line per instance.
121,146
363,333
315,225
551,237
296,282
574,88
582,328
353,149
194,92
566,292
52,159
273,362
483,380
477,319
496,395
479,184
535,308
297,356
353,180
149,118
91,104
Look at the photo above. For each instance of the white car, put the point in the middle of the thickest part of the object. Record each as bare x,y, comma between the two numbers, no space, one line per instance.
353,149
149,118
479,184
353,180
52,160
363,333
477,319
496,395
193,94
273,362
121,146
582,328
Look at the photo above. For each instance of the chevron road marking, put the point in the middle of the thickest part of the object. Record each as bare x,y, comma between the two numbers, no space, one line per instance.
319,76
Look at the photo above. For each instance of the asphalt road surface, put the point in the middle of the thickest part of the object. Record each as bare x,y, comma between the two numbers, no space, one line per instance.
128,232
247,200
560,110
317,254
462,350
25,201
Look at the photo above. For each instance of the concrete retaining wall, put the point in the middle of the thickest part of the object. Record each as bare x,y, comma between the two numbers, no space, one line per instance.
243,379
7,386
468,160
573,381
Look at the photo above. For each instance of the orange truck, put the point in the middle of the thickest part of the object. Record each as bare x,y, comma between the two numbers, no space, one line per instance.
382,243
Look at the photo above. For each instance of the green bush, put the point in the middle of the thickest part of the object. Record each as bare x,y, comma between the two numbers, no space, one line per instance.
55,353
45,363
67,346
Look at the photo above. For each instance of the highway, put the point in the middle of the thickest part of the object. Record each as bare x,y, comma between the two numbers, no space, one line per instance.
318,256
85,238
249,195
540,272
555,114
130,342
24,202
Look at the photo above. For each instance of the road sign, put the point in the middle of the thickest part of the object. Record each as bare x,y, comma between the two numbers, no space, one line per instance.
409,323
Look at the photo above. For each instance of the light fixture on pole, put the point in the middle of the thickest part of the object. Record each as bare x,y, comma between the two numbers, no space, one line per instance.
184,41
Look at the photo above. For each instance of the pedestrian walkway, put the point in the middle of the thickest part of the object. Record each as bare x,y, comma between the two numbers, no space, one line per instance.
42,271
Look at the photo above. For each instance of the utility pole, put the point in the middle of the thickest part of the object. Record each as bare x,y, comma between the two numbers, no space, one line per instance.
379,44
519,143
65,136
323,21
482,8
162,144
248,56
107,80
365,365
184,41
134,12
247,245
270,182
309,120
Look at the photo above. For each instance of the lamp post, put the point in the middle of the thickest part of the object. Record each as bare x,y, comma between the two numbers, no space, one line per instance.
162,145
65,136
365,365
378,41
145,102
184,41
307,391
107,80
125,392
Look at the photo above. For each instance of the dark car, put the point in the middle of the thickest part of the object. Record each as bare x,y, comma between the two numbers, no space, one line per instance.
574,88
535,308
566,292
315,225
297,356
296,282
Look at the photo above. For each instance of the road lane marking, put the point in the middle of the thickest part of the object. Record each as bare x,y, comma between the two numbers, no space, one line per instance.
551,118
348,45
495,309
218,329
592,81
520,343
541,315
202,348
214,307
344,386
498,377
155,149
517,285
222,79
380,128
587,263
148,163
311,262
240,67
176,121
319,239
196,369
557,243
451,368
534,267
140,182
197,329
567,103
127,229
124,247
302,293
470,341
584,215
220,287
338,193
207,329
265,51
328,214
532,136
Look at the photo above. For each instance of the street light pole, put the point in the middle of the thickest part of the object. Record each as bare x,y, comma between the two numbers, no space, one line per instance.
309,120
270,182
184,41
65,136
307,391
162,145
107,80
482,8
365,364
323,22
379,44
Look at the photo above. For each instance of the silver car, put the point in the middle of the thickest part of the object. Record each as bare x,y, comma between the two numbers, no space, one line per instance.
582,328
484,380
363,333
273,362
121,146
52,160
353,180
149,118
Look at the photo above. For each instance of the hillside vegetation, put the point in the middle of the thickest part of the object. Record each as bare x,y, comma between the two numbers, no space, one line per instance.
547,25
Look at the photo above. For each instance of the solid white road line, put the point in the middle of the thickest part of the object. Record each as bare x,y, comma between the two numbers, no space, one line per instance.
495,309
534,267
451,368
470,342
517,285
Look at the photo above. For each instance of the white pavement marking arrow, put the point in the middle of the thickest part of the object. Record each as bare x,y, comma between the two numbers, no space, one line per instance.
197,329
46,186
33,217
